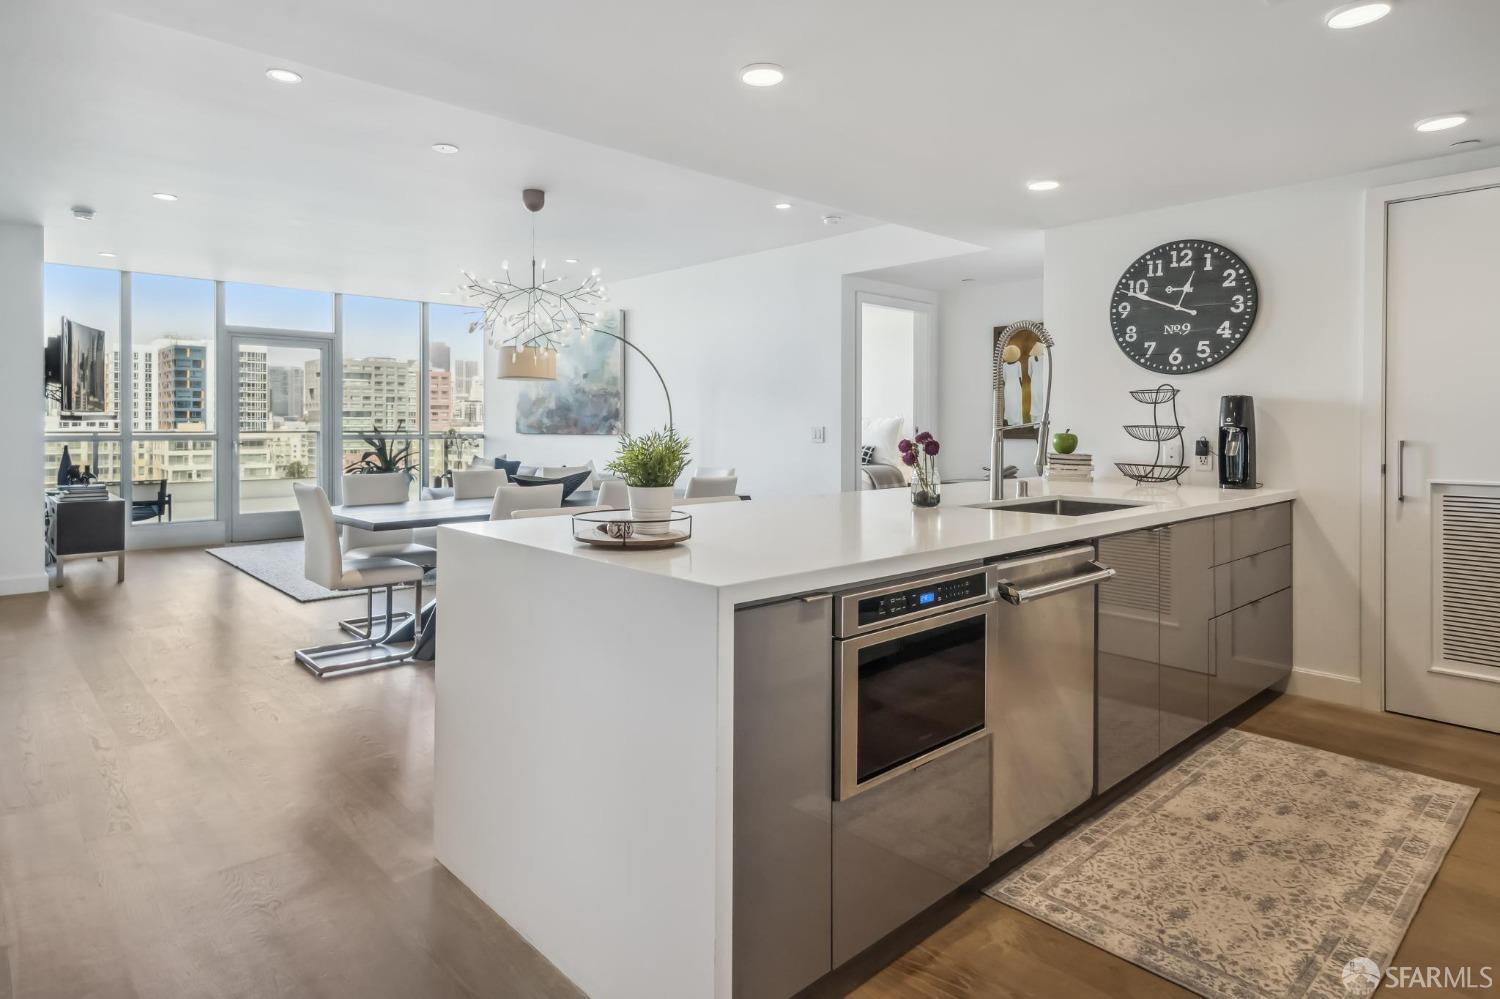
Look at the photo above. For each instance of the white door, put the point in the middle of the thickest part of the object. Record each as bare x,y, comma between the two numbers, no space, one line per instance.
281,431
1442,613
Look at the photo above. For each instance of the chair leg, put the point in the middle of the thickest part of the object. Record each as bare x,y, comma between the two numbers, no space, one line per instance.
120,568
360,627
321,661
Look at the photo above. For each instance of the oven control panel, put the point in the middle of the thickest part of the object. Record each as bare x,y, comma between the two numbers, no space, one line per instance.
919,599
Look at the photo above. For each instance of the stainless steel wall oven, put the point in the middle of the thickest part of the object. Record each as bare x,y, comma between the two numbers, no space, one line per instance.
911,669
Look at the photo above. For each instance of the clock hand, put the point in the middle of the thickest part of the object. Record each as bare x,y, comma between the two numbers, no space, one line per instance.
1185,289
1157,301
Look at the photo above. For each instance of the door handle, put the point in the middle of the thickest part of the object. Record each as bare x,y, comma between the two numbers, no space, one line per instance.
1018,595
1401,471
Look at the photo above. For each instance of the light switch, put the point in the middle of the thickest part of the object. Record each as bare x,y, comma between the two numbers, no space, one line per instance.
819,435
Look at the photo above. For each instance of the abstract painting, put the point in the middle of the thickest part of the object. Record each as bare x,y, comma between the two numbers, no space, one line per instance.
589,394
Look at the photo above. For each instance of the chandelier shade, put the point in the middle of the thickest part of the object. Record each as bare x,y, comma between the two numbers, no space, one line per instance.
529,363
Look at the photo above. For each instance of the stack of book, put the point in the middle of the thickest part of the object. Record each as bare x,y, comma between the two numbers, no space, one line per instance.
1071,467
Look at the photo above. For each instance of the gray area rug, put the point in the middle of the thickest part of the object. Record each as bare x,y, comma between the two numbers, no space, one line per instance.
279,564
1255,867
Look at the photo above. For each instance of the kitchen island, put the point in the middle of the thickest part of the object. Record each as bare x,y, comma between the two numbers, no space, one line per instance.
585,782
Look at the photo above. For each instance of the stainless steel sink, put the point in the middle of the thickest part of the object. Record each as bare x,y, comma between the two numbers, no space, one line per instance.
1058,506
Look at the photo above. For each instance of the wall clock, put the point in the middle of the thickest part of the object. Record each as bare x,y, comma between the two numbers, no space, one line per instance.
1183,306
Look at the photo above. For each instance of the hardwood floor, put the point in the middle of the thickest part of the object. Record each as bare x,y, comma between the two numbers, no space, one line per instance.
184,812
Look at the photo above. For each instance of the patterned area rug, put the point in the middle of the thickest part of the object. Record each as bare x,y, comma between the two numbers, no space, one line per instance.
1254,867
278,564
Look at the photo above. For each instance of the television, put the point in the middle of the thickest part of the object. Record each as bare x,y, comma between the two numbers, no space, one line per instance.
76,364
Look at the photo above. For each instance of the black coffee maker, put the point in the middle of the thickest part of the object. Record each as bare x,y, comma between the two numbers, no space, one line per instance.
1237,442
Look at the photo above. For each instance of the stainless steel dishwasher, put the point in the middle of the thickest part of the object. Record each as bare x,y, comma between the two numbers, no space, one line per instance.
1041,689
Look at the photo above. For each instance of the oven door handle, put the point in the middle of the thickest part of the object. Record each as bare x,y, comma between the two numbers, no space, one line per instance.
1013,594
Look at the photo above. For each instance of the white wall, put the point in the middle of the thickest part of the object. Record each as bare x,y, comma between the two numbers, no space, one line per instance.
21,554
1302,363
752,350
967,317
887,360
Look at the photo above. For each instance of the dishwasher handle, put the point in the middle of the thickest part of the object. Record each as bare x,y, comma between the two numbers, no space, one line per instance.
1013,594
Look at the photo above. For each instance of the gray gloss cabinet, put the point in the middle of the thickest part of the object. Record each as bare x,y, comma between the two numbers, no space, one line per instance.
1187,606
1185,630
1127,716
783,780
1253,651
902,845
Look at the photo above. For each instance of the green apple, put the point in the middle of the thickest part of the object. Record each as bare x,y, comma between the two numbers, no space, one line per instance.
1065,442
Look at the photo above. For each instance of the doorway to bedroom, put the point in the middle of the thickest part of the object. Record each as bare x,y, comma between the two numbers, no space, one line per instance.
895,366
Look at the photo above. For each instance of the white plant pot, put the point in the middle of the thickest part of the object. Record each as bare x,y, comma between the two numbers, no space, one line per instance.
651,503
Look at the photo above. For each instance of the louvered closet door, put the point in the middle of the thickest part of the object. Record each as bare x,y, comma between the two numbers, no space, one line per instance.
1443,484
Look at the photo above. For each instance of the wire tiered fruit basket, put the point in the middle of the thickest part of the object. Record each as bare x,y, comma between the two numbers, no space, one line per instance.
1158,433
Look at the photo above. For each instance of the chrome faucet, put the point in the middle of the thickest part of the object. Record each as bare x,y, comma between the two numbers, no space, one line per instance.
998,425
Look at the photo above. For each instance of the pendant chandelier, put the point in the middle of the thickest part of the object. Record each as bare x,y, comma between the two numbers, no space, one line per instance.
526,323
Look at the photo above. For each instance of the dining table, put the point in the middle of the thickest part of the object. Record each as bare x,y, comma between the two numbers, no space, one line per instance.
428,513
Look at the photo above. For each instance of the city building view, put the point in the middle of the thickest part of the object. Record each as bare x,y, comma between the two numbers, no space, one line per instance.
278,403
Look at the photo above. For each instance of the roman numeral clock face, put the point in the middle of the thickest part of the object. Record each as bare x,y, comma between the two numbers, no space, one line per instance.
1183,306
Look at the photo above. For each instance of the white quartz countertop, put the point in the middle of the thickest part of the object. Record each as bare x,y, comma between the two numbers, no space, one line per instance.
775,547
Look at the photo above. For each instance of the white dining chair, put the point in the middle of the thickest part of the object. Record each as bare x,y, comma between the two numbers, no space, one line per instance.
509,499
372,490
615,493
695,500
714,473
564,511
472,483
325,564
712,485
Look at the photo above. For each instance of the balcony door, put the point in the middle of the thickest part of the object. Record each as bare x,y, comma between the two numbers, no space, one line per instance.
282,426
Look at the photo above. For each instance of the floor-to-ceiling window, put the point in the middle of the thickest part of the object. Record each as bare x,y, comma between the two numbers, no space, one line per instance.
408,376
90,435
380,415
455,389
173,394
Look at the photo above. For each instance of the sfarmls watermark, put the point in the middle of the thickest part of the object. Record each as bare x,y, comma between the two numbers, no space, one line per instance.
1362,975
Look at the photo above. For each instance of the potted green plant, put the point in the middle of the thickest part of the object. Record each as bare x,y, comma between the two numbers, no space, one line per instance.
650,465
383,454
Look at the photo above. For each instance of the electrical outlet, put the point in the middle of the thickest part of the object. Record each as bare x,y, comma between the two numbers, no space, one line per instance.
819,435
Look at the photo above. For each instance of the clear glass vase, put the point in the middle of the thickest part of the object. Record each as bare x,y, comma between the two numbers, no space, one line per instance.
926,487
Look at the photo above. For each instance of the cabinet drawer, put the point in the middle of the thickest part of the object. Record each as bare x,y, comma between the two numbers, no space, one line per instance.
1246,580
901,846
1250,532
1252,651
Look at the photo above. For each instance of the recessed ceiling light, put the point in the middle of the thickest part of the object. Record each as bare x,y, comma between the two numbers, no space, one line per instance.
284,75
163,196
446,148
832,219
1356,15
762,74
106,254
1042,185
82,213
782,206
1440,122
570,260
